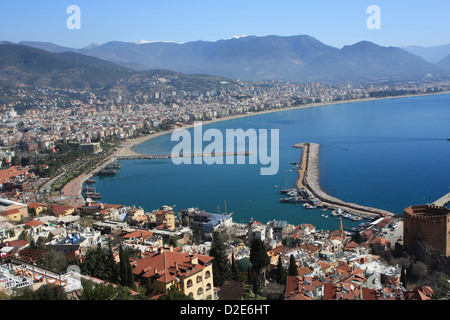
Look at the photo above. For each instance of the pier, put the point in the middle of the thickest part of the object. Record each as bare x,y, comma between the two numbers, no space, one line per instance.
441,202
308,178
128,154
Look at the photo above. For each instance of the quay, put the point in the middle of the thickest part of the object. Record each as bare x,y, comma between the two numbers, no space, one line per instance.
128,154
308,178
441,202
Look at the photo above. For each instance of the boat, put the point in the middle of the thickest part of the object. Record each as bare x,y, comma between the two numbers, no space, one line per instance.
309,206
294,163
113,165
286,191
90,181
324,209
106,172
337,212
293,199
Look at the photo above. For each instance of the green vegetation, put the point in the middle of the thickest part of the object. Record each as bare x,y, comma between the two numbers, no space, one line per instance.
93,291
45,292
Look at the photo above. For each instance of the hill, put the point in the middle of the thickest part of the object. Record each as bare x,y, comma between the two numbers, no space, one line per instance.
445,63
291,58
25,66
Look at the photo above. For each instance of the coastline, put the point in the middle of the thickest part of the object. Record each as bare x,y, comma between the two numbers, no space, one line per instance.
136,141
74,187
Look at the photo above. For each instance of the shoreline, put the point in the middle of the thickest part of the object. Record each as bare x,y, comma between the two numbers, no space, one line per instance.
74,187
137,141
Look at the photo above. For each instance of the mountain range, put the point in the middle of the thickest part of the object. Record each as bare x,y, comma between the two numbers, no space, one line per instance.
299,58
22,66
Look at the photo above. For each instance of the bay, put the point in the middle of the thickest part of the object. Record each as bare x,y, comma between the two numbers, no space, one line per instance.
388,154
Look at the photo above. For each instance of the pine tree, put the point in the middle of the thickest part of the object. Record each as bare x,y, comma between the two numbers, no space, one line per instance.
220,264
292,270
258,255
125,270
112,267
280,274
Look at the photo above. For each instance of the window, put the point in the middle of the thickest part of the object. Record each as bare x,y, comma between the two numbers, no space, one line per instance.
207,274
200,291
199,279
189,283
208,287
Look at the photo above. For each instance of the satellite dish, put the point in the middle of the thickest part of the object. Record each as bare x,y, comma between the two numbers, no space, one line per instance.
89,200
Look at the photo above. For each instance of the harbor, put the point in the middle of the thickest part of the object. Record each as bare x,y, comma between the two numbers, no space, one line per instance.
308,186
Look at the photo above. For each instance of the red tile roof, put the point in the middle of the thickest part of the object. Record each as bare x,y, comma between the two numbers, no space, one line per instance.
34,223
164,265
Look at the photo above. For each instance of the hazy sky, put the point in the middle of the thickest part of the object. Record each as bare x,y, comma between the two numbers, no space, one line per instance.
334,22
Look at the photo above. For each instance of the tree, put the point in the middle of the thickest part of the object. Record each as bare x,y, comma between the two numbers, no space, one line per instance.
100,263
125,270
235,272
258,255
292,270
419,270
112,274
220,264
93,291
280,274
45,292
175,294
403,278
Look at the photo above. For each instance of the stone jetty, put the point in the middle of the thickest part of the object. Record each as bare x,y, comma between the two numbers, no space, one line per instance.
308,178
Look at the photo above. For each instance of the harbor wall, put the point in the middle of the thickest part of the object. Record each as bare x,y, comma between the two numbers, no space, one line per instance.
309,178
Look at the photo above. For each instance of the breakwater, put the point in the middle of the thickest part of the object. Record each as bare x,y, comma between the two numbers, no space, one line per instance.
441,202
308,178
129,154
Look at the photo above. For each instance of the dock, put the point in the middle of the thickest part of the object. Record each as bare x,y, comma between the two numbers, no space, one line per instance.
441,202
308,178
129,154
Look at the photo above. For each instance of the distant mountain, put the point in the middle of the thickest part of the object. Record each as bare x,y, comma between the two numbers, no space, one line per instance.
54,48
445,63
23,65
31,66
368,61
293,58
431,54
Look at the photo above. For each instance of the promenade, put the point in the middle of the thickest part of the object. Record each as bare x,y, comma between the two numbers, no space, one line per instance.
308,178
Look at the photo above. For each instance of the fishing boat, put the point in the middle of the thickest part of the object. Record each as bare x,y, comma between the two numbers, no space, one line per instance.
90,181
294,163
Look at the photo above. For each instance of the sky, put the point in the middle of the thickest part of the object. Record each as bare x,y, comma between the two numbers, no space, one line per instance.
333,22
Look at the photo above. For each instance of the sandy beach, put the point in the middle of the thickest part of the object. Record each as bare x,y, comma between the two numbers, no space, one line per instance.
74,187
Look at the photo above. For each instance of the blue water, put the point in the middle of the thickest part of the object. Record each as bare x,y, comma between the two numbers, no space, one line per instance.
387,154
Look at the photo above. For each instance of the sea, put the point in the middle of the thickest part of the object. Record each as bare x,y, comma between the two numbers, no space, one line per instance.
387,154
